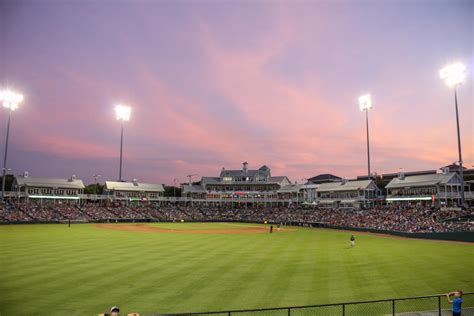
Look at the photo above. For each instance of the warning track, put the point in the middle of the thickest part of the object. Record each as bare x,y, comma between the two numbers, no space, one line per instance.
153,229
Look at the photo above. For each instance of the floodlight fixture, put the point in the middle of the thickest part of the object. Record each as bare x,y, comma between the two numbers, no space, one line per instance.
123,112
365,102
10,99
453,74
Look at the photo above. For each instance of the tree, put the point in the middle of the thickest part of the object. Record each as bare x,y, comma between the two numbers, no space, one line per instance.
172,191
8,181
94,188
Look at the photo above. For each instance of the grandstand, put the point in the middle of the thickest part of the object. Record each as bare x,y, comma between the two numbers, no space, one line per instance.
244,186
382,218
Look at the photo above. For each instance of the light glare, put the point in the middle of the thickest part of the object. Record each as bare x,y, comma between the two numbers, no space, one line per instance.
123,112
453,74
10,99
365,102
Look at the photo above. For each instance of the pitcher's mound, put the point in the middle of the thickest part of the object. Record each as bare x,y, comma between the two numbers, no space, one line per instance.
154,229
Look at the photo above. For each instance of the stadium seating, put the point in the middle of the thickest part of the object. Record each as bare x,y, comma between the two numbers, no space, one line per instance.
402,219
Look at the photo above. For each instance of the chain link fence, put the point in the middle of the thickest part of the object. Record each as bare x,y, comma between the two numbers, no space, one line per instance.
434,305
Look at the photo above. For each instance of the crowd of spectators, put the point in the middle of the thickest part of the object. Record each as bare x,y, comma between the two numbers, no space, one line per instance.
9,213
392,218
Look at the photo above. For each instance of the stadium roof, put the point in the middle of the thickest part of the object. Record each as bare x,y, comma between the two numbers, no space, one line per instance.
409,173
346,186
325,177
264,168
239,173
291,188
278,180
422,180
453,167
70,183
133,186
210,180
245,173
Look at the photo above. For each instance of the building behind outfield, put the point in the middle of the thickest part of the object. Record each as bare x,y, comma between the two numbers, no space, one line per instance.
349,194
259,186
434,189
26,188
133,191
244,186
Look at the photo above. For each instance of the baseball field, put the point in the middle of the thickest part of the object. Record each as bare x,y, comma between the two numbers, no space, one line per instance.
183,267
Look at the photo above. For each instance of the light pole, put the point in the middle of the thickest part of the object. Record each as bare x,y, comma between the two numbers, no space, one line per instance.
454,75
96,178
123,114
10,100
365,103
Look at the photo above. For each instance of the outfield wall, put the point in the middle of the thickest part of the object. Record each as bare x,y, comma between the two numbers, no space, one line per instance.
453,236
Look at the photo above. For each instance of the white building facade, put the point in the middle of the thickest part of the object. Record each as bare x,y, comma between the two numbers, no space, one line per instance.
26,188
348,194
242,186
133,191
430,190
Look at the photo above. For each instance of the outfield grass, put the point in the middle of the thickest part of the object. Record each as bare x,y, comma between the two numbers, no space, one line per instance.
83,270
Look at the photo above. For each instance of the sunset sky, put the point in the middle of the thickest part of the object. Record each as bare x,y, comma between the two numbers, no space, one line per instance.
216,83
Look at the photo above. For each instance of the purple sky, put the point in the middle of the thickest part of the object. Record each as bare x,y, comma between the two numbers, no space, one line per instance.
216,83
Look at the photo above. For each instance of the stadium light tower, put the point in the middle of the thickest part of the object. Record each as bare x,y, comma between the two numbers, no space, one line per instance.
96,178
10,101
365,103
454,76
122,113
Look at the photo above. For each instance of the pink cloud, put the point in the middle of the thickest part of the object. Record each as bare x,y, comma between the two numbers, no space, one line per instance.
294,128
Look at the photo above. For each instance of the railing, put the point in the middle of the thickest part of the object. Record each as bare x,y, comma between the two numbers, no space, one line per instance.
421,305
449,195
469,195
15,194
94,196
441,195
